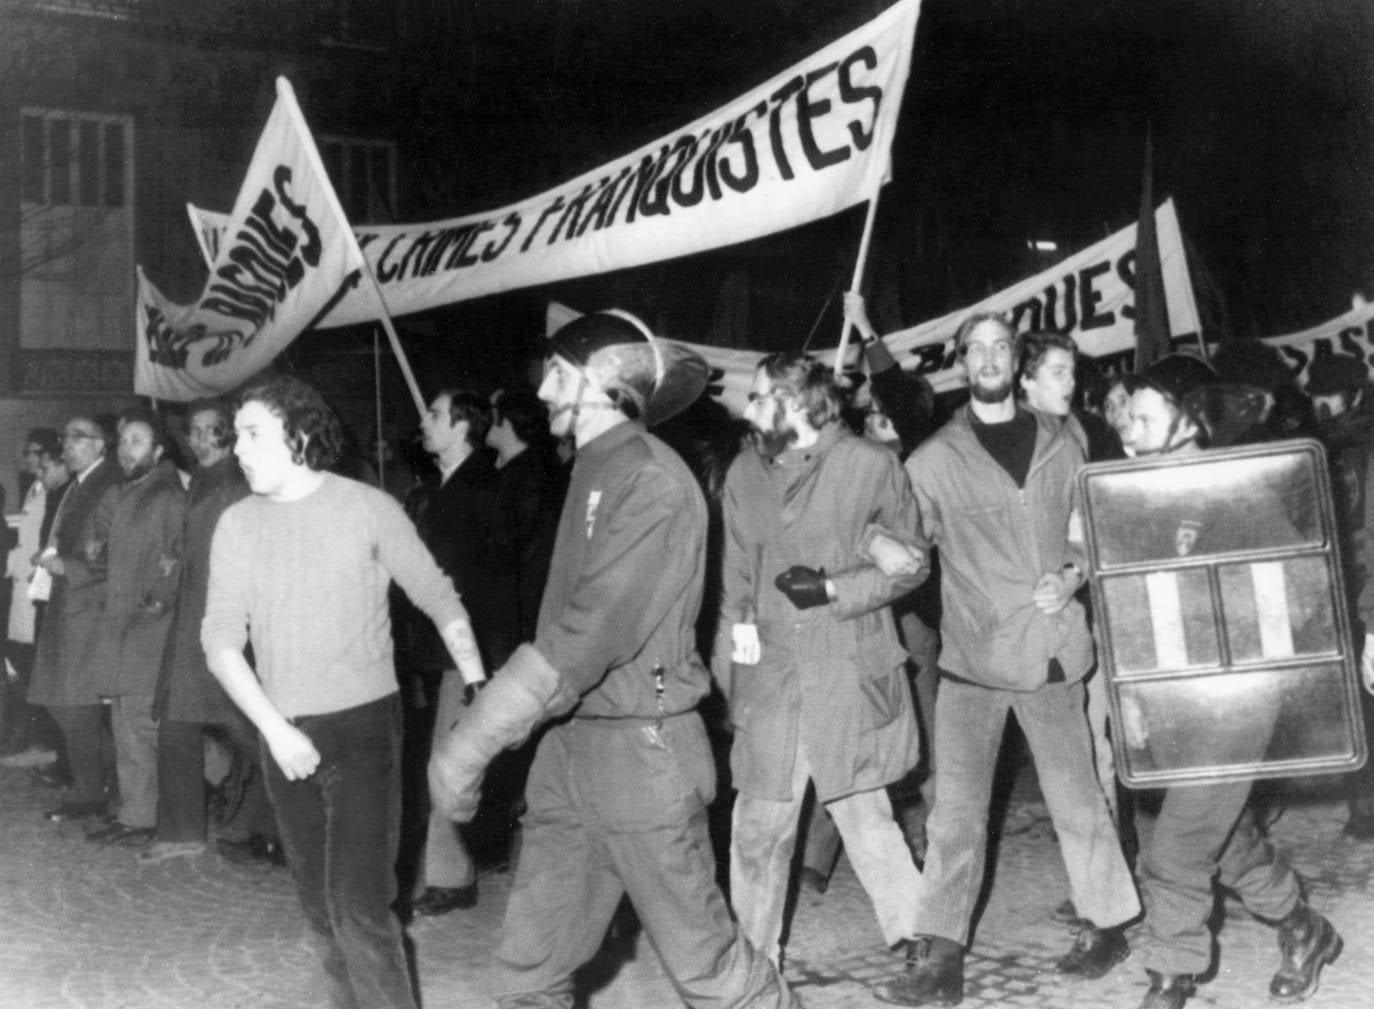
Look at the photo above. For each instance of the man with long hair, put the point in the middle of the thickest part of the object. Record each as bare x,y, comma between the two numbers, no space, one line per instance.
301,569
818,688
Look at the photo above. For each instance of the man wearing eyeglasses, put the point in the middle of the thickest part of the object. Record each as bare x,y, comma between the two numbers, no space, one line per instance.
65,667
995,493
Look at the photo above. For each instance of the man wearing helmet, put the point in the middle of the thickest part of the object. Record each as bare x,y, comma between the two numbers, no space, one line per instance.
617,794
1206,833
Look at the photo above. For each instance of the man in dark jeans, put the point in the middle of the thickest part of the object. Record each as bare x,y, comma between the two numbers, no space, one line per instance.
302,568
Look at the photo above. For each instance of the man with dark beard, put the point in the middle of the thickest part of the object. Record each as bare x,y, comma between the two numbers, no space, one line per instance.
818,690
142,522
995,493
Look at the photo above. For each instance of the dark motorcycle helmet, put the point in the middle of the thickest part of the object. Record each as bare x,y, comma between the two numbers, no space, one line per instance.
1174,376
648,378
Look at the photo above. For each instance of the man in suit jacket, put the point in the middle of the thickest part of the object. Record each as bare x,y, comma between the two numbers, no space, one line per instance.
461,518
65,667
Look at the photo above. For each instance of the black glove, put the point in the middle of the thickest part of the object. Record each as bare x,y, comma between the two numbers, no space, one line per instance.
804,586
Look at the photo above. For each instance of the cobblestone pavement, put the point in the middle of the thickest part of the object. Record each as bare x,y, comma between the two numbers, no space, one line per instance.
86,927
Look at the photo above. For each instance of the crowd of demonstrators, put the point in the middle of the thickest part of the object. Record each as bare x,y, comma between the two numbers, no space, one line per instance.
850,568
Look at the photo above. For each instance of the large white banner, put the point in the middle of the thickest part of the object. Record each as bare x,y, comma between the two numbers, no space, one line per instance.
1090,295
1351,333
284,259
814,140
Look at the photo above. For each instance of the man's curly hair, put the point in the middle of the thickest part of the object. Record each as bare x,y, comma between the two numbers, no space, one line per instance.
313,432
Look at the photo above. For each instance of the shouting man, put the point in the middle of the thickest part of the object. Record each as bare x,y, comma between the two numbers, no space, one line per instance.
301,569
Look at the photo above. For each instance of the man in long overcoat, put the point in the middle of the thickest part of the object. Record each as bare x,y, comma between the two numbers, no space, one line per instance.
143,521
64,673
818,691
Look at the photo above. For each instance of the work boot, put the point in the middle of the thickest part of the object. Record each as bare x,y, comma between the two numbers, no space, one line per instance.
1168,991
934,973
1307,943
1095,951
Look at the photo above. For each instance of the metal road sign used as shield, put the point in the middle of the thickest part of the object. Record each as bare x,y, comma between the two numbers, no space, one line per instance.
1221,615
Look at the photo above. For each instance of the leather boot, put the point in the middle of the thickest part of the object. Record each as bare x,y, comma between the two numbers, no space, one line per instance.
1095,951
1168,991
1307,943
934,973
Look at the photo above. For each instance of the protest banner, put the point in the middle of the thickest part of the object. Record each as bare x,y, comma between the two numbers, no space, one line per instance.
1350,333
1089,295
285,257
812,141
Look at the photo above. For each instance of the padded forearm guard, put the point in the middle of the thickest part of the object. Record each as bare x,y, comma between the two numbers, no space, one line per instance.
522,694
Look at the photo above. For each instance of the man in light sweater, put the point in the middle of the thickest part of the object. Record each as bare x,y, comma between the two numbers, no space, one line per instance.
301,568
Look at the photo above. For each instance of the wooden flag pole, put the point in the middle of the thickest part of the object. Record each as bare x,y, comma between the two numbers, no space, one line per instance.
313,155
385,318
377,405
859,265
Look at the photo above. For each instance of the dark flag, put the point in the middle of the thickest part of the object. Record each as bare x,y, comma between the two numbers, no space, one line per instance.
1151,307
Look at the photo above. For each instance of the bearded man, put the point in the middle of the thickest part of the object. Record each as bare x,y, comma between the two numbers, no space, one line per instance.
142,522
995,491
818,691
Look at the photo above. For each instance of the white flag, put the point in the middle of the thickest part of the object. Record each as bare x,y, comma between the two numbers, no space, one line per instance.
285,257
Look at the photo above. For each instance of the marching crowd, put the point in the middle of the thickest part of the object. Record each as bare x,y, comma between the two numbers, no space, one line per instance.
869,582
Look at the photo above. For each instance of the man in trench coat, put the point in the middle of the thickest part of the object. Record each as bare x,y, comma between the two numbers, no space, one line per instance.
64,673
141,521
818,692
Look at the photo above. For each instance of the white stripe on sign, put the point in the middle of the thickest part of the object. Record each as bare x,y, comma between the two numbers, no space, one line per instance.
1271,608
1166,619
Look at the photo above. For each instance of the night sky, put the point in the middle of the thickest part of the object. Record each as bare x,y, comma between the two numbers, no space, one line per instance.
1024,119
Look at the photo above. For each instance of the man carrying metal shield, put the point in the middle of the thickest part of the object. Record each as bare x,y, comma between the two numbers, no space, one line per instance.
1205,834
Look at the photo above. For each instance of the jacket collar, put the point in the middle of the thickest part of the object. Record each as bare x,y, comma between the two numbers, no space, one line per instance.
608,441
1050,434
